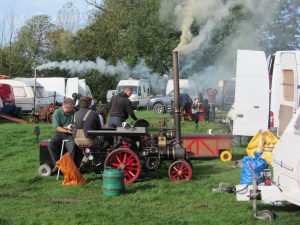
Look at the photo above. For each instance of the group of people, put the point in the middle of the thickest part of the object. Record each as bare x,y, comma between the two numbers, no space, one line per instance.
200,111
194,110
73,126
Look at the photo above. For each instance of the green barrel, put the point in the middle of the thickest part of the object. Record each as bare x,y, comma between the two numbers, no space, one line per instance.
113,182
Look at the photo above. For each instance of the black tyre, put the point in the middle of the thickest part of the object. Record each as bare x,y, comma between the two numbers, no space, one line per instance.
44,170
32,119
49,117
266,215
159,108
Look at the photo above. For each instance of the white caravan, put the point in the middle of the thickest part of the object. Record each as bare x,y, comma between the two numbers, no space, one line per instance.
141,91
285,185
24,94
265,99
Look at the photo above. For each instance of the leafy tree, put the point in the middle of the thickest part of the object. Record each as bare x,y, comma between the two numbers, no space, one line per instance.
128,30
59,42
33,38
100,84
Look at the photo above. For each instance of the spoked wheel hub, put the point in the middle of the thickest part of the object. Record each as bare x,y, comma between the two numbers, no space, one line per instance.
180,170
125,159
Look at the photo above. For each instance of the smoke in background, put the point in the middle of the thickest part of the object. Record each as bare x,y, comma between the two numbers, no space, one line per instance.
121,69
208,16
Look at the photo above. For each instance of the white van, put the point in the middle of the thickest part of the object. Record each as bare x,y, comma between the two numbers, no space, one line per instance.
183,84
24,94
78,86
55,88
265,99
59,87
141,92
109,94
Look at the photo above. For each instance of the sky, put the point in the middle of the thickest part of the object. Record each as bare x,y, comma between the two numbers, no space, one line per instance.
25,9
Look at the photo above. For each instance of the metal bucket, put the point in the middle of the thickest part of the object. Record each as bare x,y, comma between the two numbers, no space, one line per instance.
113,182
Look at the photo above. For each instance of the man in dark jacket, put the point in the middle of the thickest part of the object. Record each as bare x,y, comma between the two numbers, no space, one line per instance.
206,110
185,103
120,108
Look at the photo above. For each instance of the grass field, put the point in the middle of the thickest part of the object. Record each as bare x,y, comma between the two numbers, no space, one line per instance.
27,198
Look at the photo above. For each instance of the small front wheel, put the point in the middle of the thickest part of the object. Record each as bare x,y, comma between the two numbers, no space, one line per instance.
265,215
180,170
44,170
226,156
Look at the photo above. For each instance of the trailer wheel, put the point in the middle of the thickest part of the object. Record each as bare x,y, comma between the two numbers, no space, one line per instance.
180,170
127,160
44,170
266,215
226,156
32,119
159,108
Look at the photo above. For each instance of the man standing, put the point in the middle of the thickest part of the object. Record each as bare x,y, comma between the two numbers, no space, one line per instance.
185,103
120,108
61,121
206,107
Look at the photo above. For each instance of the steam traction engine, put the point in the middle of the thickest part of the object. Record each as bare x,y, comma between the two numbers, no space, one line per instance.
135,150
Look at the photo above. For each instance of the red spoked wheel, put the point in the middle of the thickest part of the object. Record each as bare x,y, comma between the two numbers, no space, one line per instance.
180,170
127,160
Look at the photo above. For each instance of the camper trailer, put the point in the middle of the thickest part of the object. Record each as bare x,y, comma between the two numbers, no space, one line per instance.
24,94
267,91
141,92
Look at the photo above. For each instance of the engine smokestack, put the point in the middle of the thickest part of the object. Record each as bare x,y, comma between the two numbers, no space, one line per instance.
180,151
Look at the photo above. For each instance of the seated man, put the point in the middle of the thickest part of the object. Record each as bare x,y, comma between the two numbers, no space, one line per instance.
61,121
86,119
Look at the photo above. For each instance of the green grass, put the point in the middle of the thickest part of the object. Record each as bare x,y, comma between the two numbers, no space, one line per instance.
27,198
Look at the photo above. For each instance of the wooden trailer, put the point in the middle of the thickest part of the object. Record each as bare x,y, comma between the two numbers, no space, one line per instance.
208,145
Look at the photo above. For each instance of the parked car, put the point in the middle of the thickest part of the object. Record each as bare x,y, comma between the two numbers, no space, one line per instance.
160,103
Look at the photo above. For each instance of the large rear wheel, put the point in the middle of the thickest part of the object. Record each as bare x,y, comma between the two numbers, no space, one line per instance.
180,170
125,159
